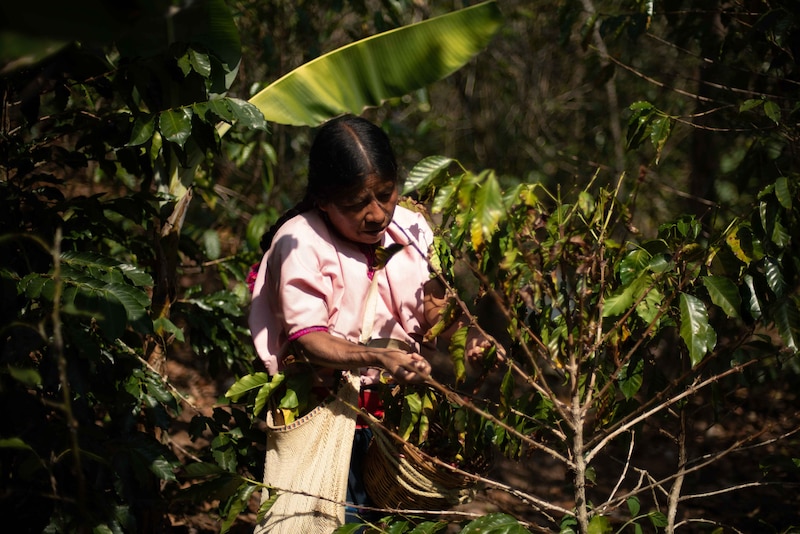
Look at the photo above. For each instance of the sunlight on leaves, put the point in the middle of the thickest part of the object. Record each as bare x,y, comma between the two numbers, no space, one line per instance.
390,64
695,331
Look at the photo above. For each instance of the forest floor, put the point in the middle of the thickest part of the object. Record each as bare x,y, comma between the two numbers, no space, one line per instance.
758,500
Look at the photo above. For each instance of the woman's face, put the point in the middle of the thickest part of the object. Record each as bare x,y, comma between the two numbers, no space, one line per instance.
364,216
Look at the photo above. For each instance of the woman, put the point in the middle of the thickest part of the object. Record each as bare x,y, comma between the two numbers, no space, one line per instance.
311,294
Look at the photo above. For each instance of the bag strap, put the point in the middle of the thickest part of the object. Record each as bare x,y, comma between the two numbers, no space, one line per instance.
370,307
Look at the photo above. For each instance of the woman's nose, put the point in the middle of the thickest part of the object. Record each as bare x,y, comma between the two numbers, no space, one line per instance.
376,212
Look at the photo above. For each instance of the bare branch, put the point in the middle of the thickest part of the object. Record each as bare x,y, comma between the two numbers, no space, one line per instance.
675,491
737,487
622,475
691,390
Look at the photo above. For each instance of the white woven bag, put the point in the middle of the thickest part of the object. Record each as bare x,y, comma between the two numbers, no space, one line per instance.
307,465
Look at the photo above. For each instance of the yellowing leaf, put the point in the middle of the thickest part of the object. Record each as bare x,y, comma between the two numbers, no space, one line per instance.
736,246
488,209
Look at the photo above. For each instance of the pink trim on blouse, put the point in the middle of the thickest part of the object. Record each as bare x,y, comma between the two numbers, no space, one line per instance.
300,333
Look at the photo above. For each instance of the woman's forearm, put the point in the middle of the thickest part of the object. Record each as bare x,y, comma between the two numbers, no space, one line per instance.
326,350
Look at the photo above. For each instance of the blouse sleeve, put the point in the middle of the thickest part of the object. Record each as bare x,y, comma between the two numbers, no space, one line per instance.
289,295
300,283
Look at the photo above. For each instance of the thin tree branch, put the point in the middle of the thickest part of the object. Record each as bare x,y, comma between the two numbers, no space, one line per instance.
737,487
675,491
624,471
691,390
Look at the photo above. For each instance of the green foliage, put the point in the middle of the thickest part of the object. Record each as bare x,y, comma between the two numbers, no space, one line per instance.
224,473
288,393
81,270
89,381
215,321
647,122
499,523
587,301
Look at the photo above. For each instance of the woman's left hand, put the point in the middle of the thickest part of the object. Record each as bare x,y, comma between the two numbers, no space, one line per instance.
475,348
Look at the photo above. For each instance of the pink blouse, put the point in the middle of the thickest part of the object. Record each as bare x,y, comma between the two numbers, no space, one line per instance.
312,279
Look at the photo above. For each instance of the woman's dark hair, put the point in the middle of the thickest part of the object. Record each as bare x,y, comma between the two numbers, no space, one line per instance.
345,151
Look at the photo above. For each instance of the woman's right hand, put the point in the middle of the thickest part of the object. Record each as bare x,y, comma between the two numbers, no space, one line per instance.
405,367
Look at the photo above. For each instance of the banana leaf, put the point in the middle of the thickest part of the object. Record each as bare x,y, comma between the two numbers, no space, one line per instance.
384,66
